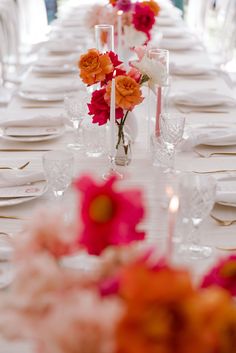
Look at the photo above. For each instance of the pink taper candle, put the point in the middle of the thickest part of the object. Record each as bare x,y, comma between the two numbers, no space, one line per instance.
158,111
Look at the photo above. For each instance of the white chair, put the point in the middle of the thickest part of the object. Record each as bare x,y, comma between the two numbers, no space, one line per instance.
220,31
33,24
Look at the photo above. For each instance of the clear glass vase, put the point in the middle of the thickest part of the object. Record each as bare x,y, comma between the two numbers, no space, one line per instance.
123,147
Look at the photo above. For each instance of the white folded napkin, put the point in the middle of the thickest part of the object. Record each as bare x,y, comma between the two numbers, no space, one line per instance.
51,87
66,44
34,121
187,43
209,135
55,61
226,191
172,32
203,98
12,178
193,69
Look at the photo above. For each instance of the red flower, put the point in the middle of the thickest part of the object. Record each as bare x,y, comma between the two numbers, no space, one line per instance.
143,19
109,217
222,275
118,66
100,109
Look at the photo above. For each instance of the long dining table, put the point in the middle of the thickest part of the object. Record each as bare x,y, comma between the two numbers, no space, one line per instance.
140,172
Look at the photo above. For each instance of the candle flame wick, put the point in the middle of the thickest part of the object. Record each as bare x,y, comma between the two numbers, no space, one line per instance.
174,204
114,74
120,12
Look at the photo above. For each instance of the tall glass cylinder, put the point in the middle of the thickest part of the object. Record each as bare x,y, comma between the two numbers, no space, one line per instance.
158,88
104,36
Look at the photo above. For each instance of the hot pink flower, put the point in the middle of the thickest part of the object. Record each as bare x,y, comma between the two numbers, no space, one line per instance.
99,108
143,19
118,66
109,217
222,275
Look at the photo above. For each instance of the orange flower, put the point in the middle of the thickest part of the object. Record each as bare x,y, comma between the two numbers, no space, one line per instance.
128,93
94,66
165,314
153,5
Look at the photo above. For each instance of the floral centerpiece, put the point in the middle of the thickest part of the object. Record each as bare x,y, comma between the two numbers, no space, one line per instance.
138,19
100,69
129,302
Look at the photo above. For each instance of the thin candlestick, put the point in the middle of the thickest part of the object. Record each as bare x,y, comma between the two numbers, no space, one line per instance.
173,208
119,32
113,119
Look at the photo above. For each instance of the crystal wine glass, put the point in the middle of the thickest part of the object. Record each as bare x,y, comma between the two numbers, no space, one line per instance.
172,129
76,108
197,198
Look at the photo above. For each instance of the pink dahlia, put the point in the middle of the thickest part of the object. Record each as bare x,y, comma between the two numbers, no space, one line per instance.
109,217
143,19
222,275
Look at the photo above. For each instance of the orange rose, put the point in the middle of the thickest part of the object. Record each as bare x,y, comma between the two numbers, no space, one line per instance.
128,93
153,6
94,66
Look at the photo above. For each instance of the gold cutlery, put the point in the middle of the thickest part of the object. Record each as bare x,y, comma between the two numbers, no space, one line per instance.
200,110
17,168
225,249
214,171
10,217
208,154
6,234
222,222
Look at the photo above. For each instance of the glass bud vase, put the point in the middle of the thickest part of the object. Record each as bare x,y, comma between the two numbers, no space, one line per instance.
123,147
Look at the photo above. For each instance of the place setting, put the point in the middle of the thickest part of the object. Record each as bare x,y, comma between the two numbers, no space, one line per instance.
55,65
19,186
21,126
208,101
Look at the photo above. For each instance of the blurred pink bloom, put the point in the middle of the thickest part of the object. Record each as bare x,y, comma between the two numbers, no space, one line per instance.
32,294
124,5
47,231
222,275
82,322
140,51
135,74
100,14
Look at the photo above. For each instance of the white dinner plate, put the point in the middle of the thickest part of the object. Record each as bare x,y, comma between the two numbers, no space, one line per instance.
35,138
18,200
42,97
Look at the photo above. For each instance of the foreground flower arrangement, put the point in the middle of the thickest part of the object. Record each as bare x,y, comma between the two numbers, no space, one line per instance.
128,302
138,19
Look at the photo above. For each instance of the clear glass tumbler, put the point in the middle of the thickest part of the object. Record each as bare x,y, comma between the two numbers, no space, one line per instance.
75,104
104,36
94,138
58,168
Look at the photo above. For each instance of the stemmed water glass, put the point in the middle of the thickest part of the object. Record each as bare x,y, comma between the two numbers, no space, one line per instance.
197,198
58,168
172,129
76,108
